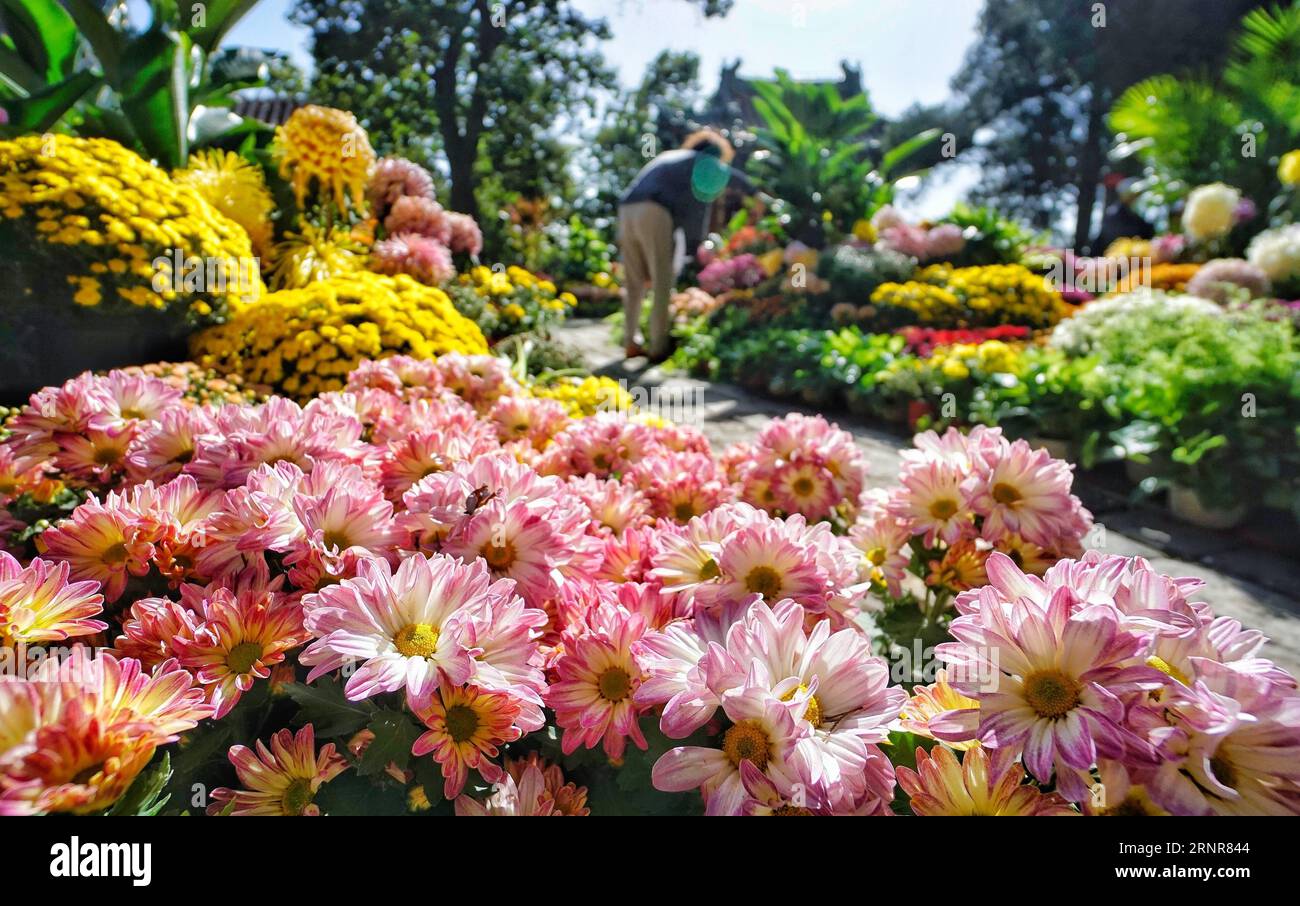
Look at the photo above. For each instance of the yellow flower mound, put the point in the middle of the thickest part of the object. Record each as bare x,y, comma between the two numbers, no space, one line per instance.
985,296
325,150
101,215
236,188
304,341
586,396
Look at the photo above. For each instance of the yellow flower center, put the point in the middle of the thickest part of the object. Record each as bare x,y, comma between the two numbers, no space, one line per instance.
803,487
710,570
786,811
614,684
943,509
462,722
763,580
338,540
1051,693
1005,494
1167,669
499,556
243,656
684,511
107,456
417,640
747,741
813,714
115,555
297,796
877,556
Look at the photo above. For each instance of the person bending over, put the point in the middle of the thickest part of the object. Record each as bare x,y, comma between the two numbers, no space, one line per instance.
673,191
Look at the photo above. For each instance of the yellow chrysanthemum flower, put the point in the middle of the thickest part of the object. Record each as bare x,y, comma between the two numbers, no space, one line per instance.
314,254
234,187
305,341
325,150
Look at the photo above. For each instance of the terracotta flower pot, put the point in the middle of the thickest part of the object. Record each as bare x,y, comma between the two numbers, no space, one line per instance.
1186,505
1058,447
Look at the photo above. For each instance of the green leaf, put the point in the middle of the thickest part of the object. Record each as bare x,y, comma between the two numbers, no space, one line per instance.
44,34
324,706
107,43
906,148
145,797
42,109
221,17
395,733
155,94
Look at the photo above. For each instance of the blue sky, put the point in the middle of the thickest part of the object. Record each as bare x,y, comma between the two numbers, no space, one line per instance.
908,49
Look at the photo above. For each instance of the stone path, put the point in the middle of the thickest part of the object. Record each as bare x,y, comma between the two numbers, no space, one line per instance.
1244,578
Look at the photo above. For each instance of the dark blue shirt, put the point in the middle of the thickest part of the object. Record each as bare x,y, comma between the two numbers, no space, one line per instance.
686,183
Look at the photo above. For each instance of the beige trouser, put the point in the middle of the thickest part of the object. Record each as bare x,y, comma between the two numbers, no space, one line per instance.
645,240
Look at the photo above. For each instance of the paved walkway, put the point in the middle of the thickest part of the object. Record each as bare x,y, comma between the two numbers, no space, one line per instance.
1244,578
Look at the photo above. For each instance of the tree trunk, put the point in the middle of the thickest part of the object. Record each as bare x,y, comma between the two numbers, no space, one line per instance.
1089,170
464,184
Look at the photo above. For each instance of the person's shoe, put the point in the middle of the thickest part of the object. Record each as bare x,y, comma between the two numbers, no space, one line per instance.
633,351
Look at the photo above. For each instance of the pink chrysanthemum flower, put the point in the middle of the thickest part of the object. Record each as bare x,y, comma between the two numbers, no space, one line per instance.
980,784
89,725
343,526
528,790
686,668
423,453
17,474
806,488
763,732
167,445
466,237
882,539
768,559
1229,746
614,506
479,380
100,543
240,638
281,780
1022,490
465,728
1049,679
278,431
604,445
681,486
626,557
394,178
404,626
836,687
593,695
515,541
38,604
152,625
931,502
528,419
396,374
422,257
416,214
